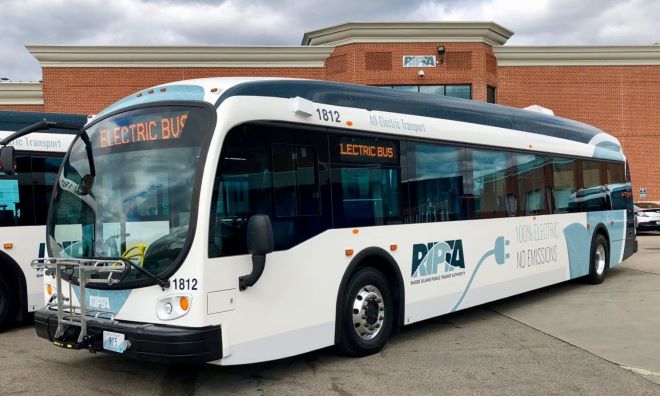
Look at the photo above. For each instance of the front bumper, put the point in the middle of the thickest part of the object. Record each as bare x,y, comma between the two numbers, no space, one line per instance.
148,341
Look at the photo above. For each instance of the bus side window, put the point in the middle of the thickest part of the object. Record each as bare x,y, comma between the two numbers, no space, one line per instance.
616,182
594,196
296,181
366,181
534,184
494,184
16,193
564,188
44,174
435,181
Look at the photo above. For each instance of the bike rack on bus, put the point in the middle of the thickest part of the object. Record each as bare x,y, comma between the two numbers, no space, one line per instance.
79,315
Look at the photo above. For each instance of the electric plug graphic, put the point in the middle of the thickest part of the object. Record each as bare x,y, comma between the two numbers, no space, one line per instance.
499,251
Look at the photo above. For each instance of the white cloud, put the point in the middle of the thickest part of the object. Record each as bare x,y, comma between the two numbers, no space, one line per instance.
283,22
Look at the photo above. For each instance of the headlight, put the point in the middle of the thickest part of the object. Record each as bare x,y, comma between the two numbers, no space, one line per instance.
173,306
642,214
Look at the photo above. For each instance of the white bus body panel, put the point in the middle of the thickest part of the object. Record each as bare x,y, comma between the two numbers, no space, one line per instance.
26,240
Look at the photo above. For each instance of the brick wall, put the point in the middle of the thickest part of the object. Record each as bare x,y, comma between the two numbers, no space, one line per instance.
90,90
382,64
22,107
621,100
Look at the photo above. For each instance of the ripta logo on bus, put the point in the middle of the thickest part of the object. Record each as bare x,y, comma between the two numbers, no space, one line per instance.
437,260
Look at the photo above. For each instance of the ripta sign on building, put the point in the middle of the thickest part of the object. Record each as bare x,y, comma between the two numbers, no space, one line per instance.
437,260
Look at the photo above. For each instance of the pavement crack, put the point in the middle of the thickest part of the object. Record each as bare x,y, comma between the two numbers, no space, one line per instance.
636,371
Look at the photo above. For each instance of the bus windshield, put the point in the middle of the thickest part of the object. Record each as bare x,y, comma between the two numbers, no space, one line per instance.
140,204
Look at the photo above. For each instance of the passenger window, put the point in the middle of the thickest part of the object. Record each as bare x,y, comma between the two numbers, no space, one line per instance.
534,188
594,195
564,188
16,195
494,184
616,183
366,180
435,183
296,182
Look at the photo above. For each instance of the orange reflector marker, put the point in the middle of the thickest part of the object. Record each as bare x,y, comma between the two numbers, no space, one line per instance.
8,245
393,247
49,289
356,231
184,303
349,252
349,123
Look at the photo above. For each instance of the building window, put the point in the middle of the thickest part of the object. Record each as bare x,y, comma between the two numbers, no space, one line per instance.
463,91
490,94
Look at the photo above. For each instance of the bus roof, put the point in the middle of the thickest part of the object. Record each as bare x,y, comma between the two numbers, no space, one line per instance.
15,120
419,104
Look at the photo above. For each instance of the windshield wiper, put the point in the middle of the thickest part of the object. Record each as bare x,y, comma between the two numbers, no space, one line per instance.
163,283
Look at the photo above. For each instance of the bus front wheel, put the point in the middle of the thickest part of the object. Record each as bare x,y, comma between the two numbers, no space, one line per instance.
599,260
7,303
367,313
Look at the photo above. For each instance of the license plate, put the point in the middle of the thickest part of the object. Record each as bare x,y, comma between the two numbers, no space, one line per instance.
114,342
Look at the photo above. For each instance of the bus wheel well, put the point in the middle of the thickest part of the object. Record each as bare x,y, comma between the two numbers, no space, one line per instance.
601,229
381,260
10,269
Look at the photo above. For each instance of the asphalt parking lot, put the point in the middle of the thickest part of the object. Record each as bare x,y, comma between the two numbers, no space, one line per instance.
565,339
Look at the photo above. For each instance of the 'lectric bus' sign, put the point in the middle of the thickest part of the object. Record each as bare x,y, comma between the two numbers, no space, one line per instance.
143,129
367,150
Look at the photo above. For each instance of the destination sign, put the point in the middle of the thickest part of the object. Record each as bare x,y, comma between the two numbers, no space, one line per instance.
367,150
142,129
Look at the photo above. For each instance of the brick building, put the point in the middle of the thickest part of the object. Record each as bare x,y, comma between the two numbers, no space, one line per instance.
616,88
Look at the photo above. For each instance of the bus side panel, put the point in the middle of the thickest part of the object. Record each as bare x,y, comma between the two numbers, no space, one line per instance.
500,258
27,243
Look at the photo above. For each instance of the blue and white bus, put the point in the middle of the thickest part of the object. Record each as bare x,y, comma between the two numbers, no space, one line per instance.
24,199
232,221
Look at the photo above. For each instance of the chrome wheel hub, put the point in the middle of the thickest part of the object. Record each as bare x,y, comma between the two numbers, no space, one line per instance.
600,259
368,312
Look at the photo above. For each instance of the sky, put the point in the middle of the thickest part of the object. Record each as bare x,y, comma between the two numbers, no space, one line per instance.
283,22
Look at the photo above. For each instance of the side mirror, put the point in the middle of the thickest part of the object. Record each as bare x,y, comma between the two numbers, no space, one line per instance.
260,242
7,160
260,235
86,185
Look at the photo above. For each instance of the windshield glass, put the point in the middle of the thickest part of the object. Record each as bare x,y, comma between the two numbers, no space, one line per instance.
140,205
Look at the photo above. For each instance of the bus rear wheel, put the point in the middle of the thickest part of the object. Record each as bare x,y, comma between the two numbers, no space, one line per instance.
599,260
7,303
367,313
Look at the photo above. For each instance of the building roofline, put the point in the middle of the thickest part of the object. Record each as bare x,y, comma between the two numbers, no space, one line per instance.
405,32
21,93
179,56
578,55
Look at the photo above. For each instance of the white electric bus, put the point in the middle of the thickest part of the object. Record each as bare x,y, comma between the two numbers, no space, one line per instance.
234,221
24,199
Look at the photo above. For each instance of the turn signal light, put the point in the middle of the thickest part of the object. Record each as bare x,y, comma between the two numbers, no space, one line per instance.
184,303
8,245
49,289
348,252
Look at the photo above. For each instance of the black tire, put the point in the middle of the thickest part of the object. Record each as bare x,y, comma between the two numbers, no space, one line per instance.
597,269
7,303
364,281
